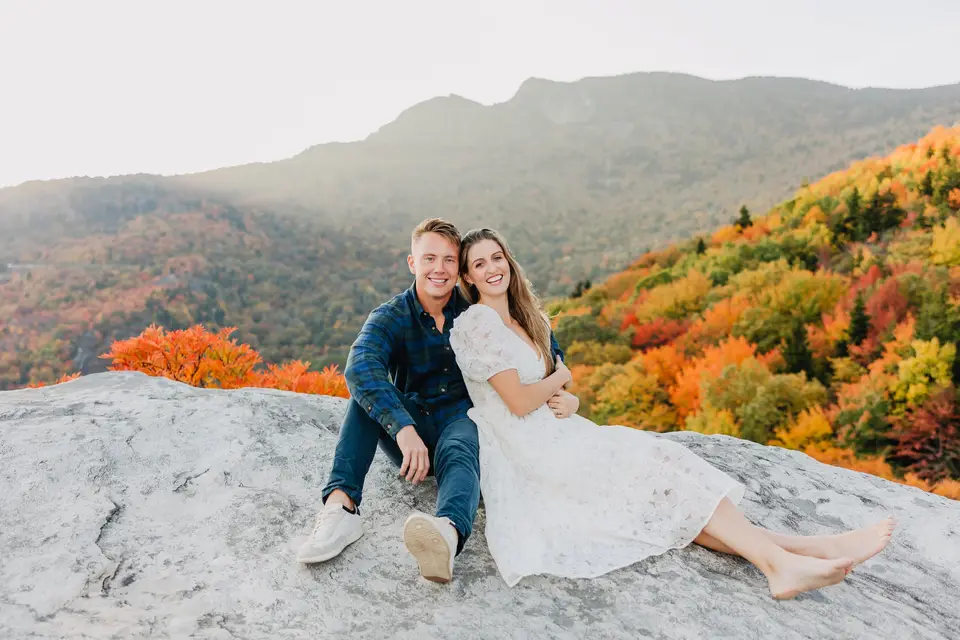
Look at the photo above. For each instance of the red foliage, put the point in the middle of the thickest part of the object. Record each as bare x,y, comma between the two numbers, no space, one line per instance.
886,307
928,438
657,332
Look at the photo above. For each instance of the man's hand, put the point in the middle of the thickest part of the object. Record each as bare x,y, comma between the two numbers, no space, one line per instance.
563,404
562,369
416,459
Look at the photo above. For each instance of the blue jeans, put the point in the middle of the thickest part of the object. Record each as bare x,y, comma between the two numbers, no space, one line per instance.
454,451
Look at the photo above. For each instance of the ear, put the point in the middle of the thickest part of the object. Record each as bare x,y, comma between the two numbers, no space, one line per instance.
410,264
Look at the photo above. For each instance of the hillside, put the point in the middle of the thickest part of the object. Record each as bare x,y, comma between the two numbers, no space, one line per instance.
646,157
582,177
829,325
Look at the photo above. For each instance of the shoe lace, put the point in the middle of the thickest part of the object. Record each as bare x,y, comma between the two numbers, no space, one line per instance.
324,516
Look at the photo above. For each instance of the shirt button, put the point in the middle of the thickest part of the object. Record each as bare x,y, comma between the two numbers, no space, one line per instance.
446,369
446,347
443,389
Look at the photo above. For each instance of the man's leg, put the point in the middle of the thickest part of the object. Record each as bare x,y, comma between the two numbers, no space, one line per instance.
457,468
356,446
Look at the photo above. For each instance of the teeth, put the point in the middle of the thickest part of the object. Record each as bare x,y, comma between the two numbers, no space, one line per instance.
494,280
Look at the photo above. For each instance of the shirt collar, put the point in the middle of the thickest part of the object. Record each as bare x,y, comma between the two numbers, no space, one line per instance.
455,302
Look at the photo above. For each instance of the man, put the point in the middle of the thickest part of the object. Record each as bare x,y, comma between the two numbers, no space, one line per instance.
419,419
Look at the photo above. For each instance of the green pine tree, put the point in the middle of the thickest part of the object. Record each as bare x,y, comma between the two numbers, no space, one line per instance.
859,321
701,247
744,220
926,186
797,354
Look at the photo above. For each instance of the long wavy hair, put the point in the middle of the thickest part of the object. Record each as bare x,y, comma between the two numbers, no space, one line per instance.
524,304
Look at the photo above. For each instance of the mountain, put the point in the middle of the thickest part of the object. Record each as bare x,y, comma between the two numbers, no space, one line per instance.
581,177
829,325
646,158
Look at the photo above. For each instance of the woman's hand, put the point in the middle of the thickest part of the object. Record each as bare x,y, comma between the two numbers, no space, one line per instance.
563,404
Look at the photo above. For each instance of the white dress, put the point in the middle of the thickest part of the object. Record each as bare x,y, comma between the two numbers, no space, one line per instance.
564,496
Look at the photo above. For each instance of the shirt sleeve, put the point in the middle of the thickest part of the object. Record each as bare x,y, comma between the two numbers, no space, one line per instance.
557,351
367,371
480,352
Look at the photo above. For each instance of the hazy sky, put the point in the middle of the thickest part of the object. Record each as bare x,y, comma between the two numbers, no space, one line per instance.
100,88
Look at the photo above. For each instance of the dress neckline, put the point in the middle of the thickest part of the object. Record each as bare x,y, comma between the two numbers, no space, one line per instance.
514,333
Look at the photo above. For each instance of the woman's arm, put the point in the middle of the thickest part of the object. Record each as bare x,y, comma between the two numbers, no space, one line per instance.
521,398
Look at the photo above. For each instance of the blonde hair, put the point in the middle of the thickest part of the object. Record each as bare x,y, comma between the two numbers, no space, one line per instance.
438,226
524,304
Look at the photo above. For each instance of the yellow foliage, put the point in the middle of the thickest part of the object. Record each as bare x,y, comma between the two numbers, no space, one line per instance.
710,422
676,299
926,371
945,247
814,215
809,427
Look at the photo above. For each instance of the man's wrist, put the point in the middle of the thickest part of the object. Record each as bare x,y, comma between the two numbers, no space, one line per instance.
402,429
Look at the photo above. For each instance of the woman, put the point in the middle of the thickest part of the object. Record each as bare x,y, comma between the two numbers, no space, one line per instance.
568,498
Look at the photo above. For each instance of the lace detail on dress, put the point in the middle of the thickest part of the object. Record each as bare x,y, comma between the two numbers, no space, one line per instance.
567,497
479,349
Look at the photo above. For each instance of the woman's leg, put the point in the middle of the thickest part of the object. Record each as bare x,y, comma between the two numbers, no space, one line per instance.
858,545
788,574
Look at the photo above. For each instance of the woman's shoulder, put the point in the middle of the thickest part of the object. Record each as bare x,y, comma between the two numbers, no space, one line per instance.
475,315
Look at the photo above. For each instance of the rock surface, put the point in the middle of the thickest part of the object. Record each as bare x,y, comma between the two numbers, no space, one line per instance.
139,507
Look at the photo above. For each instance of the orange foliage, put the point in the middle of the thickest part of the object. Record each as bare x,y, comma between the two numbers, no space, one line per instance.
664,363
687,393
64,378
204,359
953,199
718,321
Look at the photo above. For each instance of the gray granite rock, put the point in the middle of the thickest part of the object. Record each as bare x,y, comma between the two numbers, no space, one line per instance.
137,507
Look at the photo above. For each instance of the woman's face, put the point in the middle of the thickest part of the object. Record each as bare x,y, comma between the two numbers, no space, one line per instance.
488,269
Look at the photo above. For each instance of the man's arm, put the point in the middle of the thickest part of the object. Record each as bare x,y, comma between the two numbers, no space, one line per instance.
558,352
367,372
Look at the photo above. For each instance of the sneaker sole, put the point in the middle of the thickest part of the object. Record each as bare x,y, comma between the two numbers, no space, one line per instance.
331,554
427,545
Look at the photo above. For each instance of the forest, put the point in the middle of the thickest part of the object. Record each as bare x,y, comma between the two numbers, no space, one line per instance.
827,325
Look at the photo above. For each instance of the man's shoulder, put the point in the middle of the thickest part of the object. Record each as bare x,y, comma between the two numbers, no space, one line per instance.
397,308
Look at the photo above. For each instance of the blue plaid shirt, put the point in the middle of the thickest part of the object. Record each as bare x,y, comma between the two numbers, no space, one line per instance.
400,350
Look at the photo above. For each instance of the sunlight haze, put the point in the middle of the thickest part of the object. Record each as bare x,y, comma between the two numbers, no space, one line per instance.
102,88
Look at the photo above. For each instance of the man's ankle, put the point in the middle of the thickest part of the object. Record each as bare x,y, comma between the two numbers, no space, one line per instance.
339,497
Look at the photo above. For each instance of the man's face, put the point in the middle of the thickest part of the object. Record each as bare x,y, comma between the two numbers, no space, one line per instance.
434,264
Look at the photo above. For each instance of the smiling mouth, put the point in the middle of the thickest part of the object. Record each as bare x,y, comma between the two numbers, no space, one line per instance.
437,282
495,280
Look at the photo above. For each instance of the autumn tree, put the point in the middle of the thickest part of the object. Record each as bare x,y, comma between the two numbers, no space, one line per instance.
928,438
202,358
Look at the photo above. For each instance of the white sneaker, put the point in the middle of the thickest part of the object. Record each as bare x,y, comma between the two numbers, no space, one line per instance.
335,528
433,542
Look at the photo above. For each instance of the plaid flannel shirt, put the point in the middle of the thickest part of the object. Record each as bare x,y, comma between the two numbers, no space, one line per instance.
399,350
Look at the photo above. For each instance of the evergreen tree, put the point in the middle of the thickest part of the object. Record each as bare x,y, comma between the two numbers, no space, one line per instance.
582,287
744,220
926,186
797,354
859,321
701,247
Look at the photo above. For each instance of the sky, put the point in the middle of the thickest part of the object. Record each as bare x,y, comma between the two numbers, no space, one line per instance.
98,88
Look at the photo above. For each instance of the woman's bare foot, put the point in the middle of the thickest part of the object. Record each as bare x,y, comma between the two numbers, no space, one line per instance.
861,544
795,574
